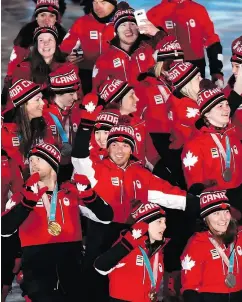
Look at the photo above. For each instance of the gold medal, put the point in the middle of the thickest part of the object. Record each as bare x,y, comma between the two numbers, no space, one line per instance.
54,228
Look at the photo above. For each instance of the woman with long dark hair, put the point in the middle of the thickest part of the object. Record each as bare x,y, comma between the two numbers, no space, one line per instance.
212,259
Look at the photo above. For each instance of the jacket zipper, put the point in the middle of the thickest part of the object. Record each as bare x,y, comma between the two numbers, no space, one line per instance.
175,29
124,70
100,42
138,64
188,29
121,185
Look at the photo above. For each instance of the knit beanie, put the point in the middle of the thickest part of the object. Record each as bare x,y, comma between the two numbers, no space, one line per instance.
123,14
182,73
148,212
49,153
213,201
45,29
50,6
169,49
106,119
237,50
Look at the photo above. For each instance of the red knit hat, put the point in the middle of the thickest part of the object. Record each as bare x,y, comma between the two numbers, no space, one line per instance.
45,29
50,6
148,212
22,91
113,90
169,49
64,79
125,13
49,153
106,119
122,132
208,98
213,201
182,73
237,50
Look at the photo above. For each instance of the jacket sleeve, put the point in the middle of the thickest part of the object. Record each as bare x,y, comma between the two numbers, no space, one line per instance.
18,54
234,100
164,194
99,73
17,178
191,273
73,38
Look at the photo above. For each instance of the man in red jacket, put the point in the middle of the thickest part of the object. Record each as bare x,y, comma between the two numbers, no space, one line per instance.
90,34
49,227
190,23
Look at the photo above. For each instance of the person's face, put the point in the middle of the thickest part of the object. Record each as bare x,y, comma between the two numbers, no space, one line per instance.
235,69
102,8
67,99
218,221
129,102
101,137
46,19
128,32
156,229
46,45
38,164
195,83
34,106
120,153
219,115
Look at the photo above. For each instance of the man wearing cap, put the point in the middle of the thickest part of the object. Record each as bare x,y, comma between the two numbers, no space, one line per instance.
213,155
126,263
87,38
191,24
212,259
49,226
130,53
63,114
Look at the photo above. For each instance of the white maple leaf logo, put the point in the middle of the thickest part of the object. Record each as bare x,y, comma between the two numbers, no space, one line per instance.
94,72
192,112
187,263
10,204
34,188
136,233
13,55
190,160
80,187
90,107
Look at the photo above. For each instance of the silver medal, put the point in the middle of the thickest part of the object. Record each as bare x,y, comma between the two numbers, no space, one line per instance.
230,280
227,175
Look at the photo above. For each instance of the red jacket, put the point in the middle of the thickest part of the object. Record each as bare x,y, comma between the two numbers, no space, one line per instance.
134,286
203,269
91,35
202,160
118,64
123,185
12,180
189,22
152,106
183,113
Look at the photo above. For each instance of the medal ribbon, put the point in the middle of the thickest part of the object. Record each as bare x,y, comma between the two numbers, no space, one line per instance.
148,267
60,128
53,204
226,155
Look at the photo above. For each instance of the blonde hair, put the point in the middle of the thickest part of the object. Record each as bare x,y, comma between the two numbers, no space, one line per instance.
158,68
188,91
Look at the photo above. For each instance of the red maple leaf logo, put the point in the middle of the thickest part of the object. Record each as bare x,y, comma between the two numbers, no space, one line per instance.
120,139
98,125
223,206
50,8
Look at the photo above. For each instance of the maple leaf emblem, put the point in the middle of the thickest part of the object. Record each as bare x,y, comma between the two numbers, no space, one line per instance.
94,72
187,263
90,107
13,55
190,160
136,233
192,112
80,187
34,188
10,204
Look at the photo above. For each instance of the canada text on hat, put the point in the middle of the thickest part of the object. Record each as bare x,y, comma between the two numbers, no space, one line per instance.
181,73
22,91
45,29
123,15
237,50
148,212
106,119
113,90
122,133
213,201
48,152
169,48
64,79
208,98
51,6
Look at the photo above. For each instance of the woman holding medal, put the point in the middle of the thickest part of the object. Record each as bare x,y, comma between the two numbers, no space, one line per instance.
212,259
49,227
135,262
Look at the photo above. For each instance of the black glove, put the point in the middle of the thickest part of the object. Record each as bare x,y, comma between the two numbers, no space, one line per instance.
235,197
192,205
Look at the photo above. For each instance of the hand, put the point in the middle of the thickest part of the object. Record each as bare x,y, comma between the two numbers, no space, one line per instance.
74,59
218,79
238,82
32,192
85,191
198,188
148,28
135,236
192,205
90,109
